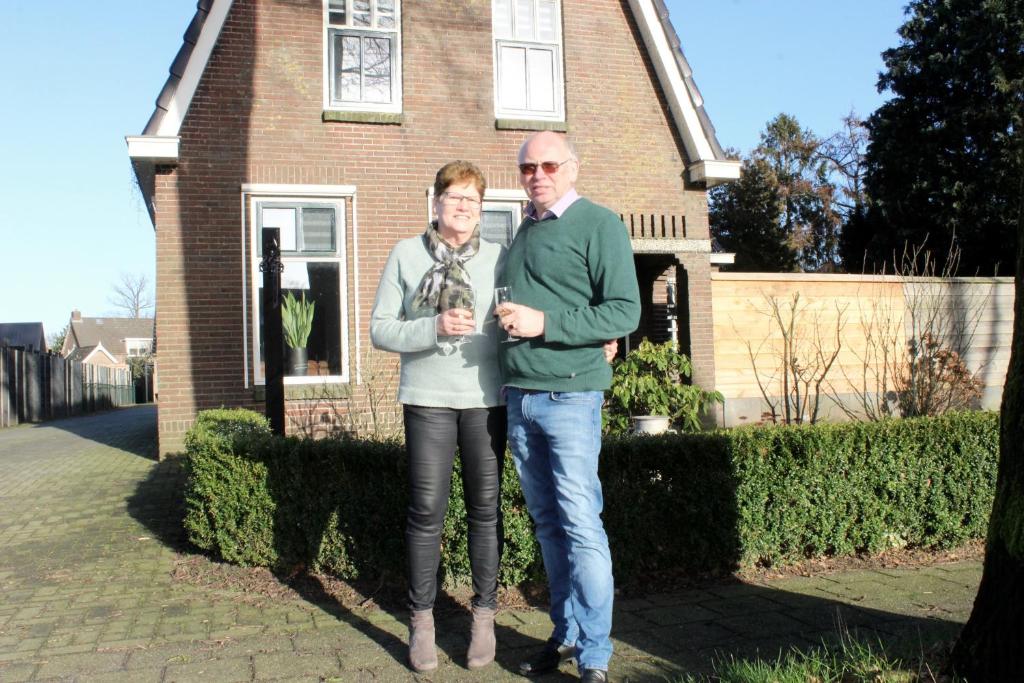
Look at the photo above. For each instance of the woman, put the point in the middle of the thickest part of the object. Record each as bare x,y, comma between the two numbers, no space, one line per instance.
434,298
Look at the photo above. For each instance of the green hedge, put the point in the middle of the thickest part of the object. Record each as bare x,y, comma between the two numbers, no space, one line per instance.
697,502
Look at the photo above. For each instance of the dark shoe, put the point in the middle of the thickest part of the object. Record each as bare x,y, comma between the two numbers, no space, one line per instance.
594,676
548,659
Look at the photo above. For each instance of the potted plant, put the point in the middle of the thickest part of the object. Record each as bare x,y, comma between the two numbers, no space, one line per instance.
297,320
649,394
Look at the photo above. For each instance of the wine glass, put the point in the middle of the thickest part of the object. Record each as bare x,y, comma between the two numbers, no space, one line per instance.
467,300
503,295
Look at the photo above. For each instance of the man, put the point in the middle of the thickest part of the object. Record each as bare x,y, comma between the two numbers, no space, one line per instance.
574,285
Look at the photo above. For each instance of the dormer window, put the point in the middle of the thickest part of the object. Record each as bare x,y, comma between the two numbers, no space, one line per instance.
528,81
363,55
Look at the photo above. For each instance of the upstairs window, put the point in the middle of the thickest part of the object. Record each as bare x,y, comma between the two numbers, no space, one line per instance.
137,346
528,82
363,57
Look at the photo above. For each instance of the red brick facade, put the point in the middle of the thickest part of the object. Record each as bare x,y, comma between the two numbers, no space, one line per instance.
257,117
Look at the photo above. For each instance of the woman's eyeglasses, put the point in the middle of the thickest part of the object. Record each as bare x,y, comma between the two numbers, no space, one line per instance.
456,199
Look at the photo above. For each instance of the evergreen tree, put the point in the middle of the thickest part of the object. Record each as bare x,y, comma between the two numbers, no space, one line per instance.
939,164
745,219
779,216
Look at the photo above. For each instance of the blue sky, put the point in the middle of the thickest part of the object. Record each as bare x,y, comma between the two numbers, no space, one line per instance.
79,76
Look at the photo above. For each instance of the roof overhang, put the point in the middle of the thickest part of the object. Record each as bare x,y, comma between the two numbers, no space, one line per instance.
708,162
715,172
158,144
156,149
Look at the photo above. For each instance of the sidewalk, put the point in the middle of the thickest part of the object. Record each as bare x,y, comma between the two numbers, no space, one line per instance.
88,545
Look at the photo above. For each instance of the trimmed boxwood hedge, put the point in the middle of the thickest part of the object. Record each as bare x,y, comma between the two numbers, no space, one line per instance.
695,502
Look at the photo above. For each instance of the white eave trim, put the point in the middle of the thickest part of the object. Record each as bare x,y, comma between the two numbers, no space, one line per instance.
156,148
170,124
714,172
99,348
698,147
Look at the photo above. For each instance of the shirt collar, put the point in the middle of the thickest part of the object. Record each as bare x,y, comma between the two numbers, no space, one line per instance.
557,210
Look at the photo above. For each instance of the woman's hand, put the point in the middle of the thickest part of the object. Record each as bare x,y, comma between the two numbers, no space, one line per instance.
455,322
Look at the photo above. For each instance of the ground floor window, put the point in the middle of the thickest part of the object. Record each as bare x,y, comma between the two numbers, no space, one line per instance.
313,255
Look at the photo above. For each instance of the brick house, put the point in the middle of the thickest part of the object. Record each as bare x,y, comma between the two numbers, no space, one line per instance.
329,118
107,341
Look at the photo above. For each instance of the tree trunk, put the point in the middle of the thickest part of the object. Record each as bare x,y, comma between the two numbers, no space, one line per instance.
991,646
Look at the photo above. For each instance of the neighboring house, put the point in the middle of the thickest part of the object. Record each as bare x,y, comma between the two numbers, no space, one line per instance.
24,336
328,119
107,341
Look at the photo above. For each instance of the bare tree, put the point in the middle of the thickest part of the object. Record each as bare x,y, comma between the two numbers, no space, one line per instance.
915,343
791,377
844,152
132,295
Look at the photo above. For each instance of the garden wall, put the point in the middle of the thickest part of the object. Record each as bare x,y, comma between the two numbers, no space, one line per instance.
860,316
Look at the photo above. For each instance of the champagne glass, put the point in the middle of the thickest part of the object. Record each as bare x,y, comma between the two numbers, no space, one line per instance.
503,295
467,300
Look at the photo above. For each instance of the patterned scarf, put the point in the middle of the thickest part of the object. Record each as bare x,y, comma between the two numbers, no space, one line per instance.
447,284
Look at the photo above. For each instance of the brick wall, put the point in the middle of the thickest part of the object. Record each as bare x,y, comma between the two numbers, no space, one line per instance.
257,118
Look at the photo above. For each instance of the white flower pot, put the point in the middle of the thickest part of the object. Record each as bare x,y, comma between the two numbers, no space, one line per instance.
650,424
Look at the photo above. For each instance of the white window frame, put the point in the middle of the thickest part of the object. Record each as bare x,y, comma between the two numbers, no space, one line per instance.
395,35
337,198
530,43
141,345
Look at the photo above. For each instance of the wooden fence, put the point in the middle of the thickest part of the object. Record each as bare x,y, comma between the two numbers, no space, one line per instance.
856,316
40,386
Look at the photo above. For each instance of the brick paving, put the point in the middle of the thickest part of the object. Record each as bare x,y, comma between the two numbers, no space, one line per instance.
89,539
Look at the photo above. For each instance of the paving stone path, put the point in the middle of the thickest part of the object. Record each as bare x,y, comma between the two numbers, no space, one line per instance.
89,538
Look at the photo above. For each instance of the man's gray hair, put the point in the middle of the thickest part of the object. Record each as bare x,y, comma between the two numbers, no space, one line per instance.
569,144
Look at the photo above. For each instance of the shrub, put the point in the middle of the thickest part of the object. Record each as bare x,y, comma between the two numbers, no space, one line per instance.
650,381
711,502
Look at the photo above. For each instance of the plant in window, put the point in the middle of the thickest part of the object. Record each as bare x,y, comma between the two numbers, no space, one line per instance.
297,320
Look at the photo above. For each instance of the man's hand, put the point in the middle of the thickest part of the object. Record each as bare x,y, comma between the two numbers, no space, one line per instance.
611,347
521,321
455,322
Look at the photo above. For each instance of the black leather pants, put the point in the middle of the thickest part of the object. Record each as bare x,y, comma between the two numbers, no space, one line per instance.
431,436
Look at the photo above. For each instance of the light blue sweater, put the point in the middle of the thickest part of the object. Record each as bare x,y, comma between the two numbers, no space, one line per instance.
435,371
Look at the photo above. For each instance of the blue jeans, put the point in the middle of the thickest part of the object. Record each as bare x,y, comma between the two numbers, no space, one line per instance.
556,440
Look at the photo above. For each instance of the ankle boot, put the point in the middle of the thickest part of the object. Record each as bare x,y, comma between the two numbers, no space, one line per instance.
422,653
481,638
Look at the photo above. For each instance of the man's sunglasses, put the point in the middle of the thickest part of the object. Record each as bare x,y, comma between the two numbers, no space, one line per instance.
550,167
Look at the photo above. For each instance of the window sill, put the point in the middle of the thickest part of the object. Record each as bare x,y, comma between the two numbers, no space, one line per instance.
327,391
384,118
531,124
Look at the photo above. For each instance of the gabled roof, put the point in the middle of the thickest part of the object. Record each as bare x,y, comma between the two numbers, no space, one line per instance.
110,332
28,336
158,143
84,353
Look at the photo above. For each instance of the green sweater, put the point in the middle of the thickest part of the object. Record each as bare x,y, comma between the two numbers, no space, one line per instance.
578,269
436,372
